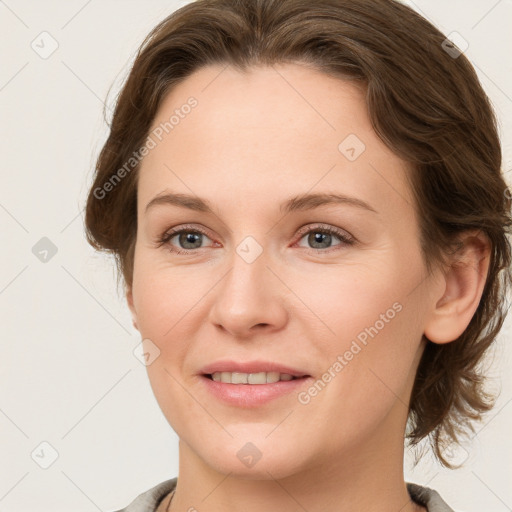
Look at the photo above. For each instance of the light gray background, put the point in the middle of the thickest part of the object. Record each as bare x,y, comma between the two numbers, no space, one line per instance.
68,375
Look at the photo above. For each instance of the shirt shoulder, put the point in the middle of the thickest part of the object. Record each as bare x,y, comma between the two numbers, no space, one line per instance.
428,497
149,500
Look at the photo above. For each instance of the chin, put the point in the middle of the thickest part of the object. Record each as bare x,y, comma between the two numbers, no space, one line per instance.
258,460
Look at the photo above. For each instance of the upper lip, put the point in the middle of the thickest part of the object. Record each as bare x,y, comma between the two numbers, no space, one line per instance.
251,367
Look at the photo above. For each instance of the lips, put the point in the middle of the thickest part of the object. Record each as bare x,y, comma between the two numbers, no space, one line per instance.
240,384
252,395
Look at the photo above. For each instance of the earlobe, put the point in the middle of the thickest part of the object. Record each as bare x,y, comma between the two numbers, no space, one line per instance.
129,300
464,283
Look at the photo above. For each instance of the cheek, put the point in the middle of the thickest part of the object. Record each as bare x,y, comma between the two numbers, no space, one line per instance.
165,297
346,299
366,326
167,303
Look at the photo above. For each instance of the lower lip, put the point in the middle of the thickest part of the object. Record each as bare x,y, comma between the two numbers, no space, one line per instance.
251,395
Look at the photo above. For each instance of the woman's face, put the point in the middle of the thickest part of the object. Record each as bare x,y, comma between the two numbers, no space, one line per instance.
271,280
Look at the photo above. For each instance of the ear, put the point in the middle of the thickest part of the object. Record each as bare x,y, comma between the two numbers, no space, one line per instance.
463,284
129,300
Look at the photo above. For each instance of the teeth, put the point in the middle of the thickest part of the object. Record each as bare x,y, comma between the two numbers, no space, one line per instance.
250,378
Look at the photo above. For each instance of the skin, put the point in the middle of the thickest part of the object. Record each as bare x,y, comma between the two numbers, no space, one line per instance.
255,140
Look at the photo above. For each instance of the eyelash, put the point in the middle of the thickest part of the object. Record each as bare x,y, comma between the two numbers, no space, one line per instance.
345,240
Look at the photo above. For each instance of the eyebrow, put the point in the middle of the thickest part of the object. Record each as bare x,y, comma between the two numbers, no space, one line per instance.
297,203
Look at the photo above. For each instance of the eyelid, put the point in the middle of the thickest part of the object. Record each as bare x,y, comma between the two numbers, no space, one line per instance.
324,227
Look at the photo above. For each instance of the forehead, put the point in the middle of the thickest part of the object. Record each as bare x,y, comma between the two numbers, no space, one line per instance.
270,132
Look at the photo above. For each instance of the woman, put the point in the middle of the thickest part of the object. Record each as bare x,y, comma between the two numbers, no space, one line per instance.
306,206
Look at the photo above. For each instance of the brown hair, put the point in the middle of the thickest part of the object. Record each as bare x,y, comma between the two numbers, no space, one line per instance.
426,104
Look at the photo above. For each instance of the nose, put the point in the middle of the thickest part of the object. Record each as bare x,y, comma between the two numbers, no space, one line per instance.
249,299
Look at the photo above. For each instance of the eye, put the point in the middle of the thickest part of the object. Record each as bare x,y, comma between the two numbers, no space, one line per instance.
188,239
321,237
